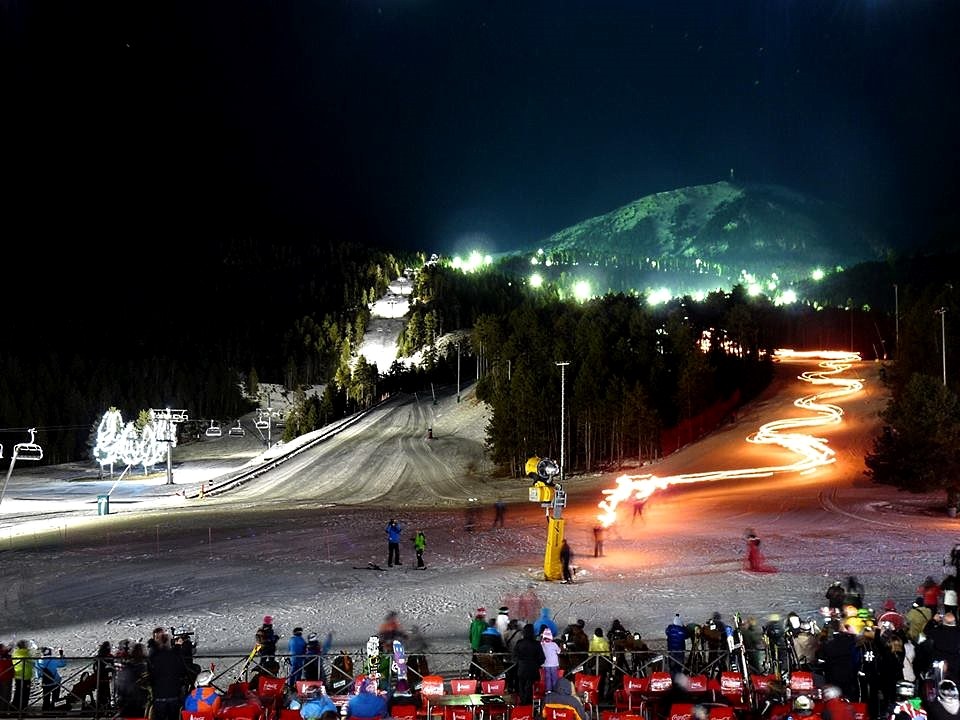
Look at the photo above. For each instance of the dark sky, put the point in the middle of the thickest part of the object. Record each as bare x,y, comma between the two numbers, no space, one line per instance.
426,123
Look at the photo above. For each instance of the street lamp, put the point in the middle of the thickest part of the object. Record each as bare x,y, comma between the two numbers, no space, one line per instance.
942,312
563,388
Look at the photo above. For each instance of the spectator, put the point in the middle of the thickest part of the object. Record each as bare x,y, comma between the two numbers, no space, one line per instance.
930,592
297,649
167,673
916,619
313,668
317,705
367,703
551,660
132,683
23,670
599,651
204,698
562,695
529,657
853,594
947,704
49,667
6,677
943,643
477,626
503,620
676,644
840,661
544,621
890,616
835,595
491,641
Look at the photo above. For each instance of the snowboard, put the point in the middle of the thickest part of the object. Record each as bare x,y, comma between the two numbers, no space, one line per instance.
400,668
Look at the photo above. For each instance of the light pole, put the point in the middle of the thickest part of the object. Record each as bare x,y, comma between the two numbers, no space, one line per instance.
458,372
942,312
563,391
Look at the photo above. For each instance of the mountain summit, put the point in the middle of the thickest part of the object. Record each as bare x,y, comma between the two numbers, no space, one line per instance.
703,237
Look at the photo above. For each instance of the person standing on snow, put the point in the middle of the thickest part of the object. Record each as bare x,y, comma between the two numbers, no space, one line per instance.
419,545
393,543
566,556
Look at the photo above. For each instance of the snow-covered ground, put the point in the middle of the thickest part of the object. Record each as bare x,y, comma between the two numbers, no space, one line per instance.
296,543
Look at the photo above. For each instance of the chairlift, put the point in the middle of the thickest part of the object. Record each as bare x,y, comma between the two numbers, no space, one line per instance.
237,431
28,450
213,430
262,424
1,451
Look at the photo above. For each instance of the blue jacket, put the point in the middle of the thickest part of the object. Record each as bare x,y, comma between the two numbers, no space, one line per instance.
317,706
545,621
52,665
676,637
297,648
367,705
393,532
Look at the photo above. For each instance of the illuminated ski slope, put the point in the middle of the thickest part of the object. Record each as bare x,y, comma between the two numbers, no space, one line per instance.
812,451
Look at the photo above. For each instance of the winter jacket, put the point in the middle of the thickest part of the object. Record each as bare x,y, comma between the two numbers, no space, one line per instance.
419,541
491,640
528,652
296,648
23,664
366,704
551,653
203,699
916,619
477,627
544,621
317,706
676,637
52,665
563,695
393,532
930,592
599,645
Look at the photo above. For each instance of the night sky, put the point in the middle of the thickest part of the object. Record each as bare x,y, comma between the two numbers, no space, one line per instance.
433,124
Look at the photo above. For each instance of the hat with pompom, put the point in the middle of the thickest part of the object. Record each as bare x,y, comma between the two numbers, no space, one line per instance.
268,619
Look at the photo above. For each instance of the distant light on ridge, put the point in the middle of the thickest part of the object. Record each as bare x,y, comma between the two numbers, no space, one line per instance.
581,290
817,274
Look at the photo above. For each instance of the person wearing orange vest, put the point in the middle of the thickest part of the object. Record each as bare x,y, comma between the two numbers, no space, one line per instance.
204,698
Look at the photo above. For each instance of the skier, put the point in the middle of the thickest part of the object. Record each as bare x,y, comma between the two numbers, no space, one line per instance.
500,510
393,543
598,533
755,560
419,543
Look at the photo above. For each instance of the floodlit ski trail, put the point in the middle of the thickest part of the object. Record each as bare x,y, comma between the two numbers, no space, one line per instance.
813,451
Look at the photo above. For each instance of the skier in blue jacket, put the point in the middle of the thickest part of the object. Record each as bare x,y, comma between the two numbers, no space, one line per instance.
393,543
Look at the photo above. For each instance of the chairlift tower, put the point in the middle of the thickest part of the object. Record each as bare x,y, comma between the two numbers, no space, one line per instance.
166,421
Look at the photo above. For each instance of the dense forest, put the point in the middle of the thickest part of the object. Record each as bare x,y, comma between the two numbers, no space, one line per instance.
631,370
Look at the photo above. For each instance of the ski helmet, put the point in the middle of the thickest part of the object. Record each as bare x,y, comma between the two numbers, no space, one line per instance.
803,703
831,692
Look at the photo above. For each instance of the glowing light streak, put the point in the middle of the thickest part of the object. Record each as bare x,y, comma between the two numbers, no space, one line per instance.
813,451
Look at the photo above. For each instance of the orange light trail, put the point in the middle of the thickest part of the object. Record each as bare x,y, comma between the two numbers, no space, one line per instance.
813,451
